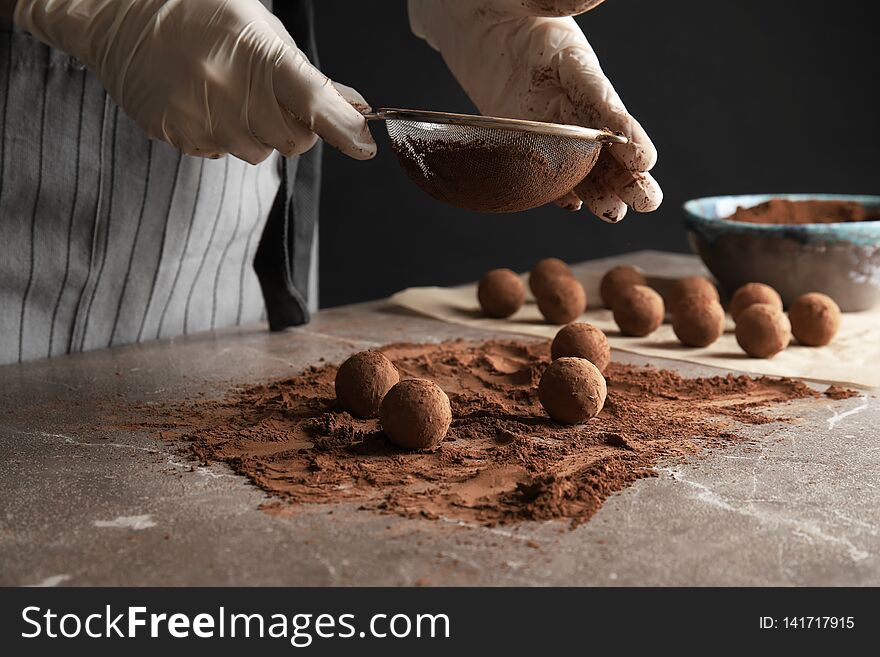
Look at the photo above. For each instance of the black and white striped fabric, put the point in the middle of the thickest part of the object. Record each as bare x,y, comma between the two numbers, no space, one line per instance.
109,238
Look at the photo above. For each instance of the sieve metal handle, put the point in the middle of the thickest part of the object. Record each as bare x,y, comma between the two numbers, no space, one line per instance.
474,120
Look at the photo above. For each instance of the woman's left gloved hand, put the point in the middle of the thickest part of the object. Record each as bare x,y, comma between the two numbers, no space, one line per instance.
529,59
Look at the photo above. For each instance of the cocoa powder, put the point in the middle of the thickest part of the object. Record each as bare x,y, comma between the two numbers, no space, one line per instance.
506,171
503,460
837,392
781,211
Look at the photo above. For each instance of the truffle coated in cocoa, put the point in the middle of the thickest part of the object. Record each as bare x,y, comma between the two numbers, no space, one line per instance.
690,286
752,293
638,311
582,340
572,390
562,300
501,293
415,414
698,320
617,279
815,319
763,330
362,382
546,270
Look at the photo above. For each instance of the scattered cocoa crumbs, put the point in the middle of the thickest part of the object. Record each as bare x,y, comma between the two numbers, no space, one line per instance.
837,392
504,460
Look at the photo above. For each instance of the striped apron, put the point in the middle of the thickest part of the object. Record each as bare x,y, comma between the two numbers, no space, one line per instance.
108,238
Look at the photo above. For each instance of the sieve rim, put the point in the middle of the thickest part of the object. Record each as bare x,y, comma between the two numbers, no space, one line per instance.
475,120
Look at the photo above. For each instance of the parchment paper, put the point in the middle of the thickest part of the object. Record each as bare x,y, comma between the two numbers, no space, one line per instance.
853,357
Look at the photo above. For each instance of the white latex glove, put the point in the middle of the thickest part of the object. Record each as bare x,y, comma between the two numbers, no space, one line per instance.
210,77
529,59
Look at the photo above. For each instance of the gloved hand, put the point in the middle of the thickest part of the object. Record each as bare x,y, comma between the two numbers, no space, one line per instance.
529,59
210,77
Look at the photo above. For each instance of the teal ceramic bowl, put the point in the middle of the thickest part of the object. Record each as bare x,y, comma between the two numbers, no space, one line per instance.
842,260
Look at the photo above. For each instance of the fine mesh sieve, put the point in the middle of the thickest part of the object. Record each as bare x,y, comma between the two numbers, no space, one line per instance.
490,164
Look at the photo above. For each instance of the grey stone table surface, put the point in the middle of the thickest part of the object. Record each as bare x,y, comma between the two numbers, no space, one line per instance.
798,505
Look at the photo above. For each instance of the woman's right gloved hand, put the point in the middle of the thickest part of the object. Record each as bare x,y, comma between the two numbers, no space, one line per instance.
211,77
529,59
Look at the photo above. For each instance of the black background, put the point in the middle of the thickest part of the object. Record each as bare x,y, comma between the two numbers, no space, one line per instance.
739,97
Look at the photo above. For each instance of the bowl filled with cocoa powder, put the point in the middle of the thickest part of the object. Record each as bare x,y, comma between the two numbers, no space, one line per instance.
796,243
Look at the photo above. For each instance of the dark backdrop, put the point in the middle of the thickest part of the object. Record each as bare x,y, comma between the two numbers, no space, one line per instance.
739,97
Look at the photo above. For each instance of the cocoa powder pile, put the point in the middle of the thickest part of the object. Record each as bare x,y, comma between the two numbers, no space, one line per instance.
503,460
781,211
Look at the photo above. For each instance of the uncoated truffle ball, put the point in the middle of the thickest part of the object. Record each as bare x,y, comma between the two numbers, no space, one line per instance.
562,300
572,390
691,286
815,319
582,340
363,380
763,330
415,414
698,320
752,293
546,270
501,293
616,280
638,311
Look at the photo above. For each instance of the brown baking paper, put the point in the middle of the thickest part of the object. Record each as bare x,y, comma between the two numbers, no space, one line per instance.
853,357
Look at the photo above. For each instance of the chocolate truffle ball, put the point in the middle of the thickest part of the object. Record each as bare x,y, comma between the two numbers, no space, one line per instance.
561,299
815,319
572,390
582,340
415,414
546,270
690,286
617,279
698,320
501,293
638,310
363,380
752,293
763,330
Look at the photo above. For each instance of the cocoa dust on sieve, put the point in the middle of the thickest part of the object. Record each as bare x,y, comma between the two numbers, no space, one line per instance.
503,460
782,211
497,173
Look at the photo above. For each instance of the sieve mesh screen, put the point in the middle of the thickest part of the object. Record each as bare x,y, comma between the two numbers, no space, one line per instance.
490,169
